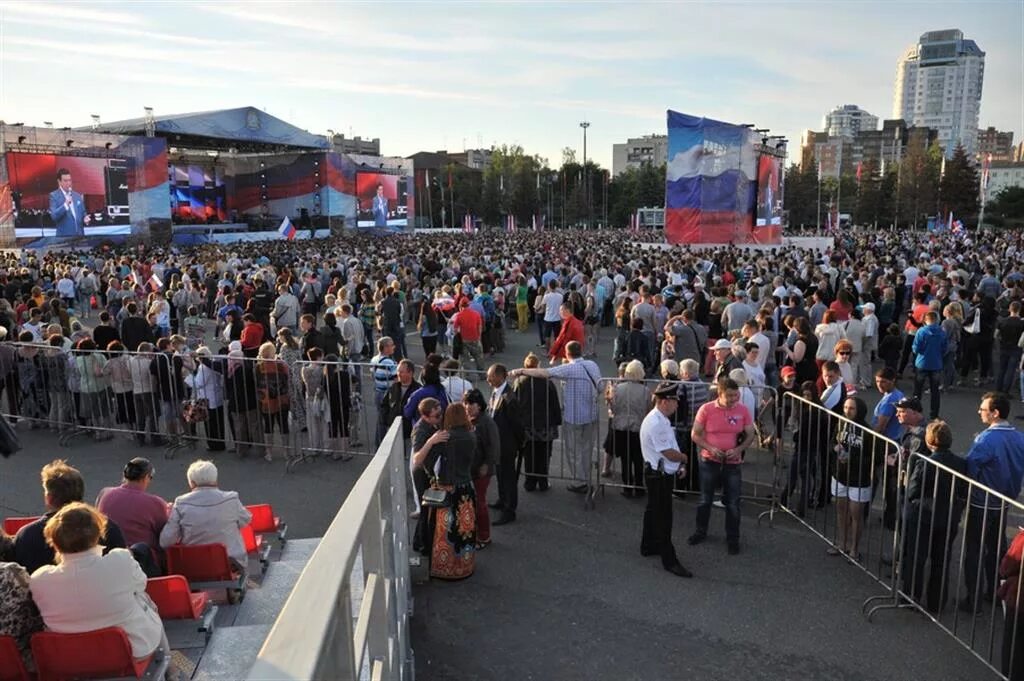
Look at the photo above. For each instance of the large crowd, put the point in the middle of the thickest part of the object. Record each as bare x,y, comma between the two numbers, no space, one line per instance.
258,344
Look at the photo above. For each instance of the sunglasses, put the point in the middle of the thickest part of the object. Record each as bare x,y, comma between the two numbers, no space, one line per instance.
844,353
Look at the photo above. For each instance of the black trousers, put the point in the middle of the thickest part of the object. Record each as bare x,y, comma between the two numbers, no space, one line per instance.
535,457
508,480
984,545
657,531
927,546
214,427
626,446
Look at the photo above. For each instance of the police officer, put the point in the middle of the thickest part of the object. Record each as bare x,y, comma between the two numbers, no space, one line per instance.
662,463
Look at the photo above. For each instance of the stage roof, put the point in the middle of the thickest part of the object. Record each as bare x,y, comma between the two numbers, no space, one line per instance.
247,128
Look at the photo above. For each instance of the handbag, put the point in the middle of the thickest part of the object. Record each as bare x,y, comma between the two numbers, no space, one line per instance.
974,327
196,410
9,441
435,496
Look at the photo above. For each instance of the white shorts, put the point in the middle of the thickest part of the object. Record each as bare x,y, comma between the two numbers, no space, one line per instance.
861,495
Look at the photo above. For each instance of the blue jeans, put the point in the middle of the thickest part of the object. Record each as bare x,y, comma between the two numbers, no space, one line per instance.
934,397
1009,361
713,473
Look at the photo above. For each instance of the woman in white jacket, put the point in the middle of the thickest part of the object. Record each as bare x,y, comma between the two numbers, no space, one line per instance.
208,383
829,332
87,590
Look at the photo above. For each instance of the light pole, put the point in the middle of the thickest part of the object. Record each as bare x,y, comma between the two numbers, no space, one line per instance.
586,174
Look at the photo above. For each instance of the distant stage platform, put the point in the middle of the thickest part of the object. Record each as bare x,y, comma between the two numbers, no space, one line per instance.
217,228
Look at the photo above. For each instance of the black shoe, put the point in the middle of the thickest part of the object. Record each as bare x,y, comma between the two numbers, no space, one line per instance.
497,505
543,487
645,552
628,493
734,548
968,606
696,538
529,487
578,489
679,570
504,519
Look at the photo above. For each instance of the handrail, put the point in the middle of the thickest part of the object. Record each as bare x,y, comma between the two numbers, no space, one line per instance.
315,637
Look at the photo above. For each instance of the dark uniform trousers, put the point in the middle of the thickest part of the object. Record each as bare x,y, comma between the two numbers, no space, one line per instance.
657,532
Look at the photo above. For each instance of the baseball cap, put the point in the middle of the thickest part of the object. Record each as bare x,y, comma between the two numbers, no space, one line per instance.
722,344
911,403
787,371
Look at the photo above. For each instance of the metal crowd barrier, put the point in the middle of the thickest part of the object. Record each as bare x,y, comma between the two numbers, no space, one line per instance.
966,583
806,485
321,632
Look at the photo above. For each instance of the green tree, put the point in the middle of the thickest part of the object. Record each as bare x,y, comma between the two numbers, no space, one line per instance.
958,189
510,186
800,197
918,184
1006,209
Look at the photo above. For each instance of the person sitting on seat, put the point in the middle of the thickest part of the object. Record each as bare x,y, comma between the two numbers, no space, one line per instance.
62,485
19,617
207,515
140,514
88,590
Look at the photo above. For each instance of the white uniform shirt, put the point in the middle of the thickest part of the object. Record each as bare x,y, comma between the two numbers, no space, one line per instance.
656,436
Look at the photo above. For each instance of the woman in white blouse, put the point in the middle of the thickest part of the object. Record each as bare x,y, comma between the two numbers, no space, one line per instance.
208,383
87,590
829,332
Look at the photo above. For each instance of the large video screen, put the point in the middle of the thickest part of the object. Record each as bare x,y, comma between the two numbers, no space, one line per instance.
769,194
198,194
90,198
383,200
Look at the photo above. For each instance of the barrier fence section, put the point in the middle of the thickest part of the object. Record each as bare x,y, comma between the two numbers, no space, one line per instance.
320,632
967,583
626,402
897,514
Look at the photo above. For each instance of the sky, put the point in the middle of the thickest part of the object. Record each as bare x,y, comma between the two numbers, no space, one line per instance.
432,75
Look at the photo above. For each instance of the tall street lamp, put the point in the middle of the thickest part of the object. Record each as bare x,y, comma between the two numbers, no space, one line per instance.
586,174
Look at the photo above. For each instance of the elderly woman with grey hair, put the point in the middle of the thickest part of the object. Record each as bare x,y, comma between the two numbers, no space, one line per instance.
207,383
207,515
628,402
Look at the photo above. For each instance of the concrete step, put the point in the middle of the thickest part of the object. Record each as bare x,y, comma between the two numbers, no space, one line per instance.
263,604
231,652
298,550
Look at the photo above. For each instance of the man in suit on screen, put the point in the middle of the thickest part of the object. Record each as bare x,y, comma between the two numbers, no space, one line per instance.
67,209
380,208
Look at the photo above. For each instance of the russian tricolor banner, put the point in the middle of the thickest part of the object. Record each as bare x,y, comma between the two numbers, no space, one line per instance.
510,223
467,224
287,229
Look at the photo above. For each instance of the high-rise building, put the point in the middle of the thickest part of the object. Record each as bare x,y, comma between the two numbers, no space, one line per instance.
639,151
995,142
847,120
938,85
879,147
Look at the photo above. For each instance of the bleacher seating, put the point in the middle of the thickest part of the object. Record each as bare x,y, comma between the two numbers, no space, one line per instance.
12,525
101,654
265,522
254,545
178,605
206,566
11,666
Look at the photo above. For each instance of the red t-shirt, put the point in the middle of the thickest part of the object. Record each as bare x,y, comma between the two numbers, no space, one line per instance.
252,335
572,330
722,427
841,311
469,324
140,515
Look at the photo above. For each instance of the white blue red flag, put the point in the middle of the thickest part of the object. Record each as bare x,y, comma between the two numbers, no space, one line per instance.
287,229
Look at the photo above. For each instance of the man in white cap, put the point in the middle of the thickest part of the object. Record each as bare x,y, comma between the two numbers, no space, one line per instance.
725,360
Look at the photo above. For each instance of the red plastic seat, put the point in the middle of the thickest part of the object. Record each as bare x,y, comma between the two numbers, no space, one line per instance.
174,600
253,542
104,653
12,525
265,522
200,563
12,668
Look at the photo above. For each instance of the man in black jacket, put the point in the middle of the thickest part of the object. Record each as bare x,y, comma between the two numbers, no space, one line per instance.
135,329
105,333
395,399
504,408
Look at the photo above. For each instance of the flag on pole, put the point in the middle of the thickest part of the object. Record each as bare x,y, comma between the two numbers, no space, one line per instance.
986,166
538,180
467,224
949,221
858,171
287,229
510,223
819,171
942,168
534,219
155,282
958,228
449,178
501,183
541,222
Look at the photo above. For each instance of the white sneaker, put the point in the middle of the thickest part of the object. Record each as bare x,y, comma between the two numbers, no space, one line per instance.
717,503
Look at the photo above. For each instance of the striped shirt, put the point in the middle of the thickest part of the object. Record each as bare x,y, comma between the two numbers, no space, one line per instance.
384,370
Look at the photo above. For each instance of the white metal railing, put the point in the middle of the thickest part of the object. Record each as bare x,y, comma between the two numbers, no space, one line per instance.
318,635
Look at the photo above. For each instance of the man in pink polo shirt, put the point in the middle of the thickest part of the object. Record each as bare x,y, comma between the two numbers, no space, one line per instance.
722,429
139,514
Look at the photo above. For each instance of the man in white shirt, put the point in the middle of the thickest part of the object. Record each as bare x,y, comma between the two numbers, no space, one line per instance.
551,304
352,331
455,386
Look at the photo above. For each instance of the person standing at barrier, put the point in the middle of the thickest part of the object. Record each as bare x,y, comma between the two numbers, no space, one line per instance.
929,346
910,417
542,415
582,379
395,399
723,429
663,462
693,393
628,401
995,462
383,368
935,502
1010,591
485,461
856,449
243,403
506,412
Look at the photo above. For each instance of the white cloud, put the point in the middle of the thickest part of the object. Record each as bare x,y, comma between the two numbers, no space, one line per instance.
69,11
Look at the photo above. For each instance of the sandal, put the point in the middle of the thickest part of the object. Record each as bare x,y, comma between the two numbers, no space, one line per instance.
268,458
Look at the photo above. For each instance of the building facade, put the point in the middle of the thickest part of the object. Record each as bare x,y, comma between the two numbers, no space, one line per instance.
354,145
848,120
1003,174
995,142
938,85
649,150
881,147
477,159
